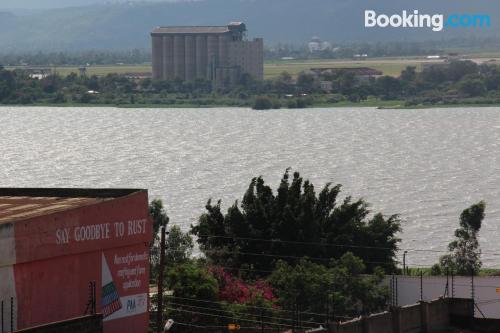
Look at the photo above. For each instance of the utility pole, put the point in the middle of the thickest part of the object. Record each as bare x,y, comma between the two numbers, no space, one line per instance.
472,293
404,262
421,286
159,315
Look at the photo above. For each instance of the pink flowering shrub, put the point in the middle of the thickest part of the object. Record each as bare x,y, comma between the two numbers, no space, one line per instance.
235,290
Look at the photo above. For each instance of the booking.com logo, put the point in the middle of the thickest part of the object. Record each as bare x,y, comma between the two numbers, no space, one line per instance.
416,20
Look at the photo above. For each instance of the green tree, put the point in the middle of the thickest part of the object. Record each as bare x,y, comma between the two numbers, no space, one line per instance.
194,289
160,219
262,103
294,223
456,70
284,83
409,74
344,82
389,87
179,246
306,83
7,83
159,215
465,252
341,285
472,87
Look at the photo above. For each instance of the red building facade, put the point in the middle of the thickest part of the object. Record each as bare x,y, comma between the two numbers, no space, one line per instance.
54,242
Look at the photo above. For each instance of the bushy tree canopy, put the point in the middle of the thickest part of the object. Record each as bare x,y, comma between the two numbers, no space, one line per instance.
465,253
340,286
179,246
192,287
294,223
160,219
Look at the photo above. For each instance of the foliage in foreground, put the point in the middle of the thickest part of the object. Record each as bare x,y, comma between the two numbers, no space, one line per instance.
160,219
295,223
340,286
465,254
207,296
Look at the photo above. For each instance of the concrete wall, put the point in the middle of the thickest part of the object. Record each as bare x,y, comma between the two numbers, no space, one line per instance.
438,314
422,317
460,306
435,287
379,323
353,326
411,318
87,324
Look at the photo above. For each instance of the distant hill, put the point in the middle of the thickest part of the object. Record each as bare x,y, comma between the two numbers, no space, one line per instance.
46,4
127,25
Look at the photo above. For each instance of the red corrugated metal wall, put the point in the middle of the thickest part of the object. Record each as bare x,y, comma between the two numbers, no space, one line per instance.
59,254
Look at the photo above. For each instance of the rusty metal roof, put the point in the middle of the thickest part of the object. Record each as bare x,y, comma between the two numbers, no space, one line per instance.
192,30
21,204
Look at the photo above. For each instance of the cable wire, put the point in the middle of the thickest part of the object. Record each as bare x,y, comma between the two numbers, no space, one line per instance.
230,317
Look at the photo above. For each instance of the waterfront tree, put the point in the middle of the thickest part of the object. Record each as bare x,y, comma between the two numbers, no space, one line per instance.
160,219
179,246
465,253
294,223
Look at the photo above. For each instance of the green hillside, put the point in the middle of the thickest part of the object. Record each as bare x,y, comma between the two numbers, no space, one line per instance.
127,25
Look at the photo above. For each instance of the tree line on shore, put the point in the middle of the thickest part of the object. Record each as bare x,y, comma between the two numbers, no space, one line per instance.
276,252
456,82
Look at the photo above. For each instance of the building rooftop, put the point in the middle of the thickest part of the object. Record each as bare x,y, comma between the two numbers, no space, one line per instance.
23,203
192,30
231,27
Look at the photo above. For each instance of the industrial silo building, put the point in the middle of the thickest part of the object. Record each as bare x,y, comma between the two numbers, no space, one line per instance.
217,53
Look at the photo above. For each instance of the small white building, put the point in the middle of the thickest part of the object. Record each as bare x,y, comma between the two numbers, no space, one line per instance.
317,45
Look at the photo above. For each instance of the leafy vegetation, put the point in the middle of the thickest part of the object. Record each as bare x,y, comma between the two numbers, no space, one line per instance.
457,82
160,219
275,256
339,285
295,223
465,253
179,245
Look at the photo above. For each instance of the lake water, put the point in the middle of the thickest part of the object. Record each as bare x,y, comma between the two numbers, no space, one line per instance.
426,165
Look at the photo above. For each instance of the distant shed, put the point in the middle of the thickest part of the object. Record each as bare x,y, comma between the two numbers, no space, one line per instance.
54,242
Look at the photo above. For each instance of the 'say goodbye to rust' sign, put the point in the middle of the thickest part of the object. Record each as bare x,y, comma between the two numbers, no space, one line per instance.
101,231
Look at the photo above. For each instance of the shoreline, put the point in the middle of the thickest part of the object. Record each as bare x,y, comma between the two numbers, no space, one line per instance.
396,105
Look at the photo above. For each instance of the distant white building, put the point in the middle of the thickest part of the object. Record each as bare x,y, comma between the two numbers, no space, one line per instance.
317,45
363,56
38,76
38,73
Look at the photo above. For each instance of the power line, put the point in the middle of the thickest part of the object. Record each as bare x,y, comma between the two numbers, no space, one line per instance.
294,242
247,314
231,317
249,306
224,327
333,244
290,257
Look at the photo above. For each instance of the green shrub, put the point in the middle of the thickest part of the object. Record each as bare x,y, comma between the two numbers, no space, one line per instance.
262,103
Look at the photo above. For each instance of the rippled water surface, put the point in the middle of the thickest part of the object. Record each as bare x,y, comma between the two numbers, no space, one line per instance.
427,165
